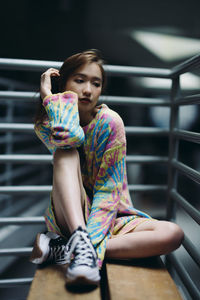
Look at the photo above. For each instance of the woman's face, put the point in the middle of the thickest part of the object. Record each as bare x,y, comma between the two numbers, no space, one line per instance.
87,83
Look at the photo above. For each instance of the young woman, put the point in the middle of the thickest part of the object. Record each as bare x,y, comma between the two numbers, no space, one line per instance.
90,214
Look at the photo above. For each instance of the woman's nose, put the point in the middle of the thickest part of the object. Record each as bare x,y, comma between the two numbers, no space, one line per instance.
87,89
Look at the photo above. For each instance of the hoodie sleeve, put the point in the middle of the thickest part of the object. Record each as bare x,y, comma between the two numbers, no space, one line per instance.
61,128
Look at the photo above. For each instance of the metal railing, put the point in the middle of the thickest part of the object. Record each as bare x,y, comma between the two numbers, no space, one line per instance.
176,167
173,134
11,175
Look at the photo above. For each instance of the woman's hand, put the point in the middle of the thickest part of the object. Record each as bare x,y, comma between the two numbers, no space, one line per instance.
45,82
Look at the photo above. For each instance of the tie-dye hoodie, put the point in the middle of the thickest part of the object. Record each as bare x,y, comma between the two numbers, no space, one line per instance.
103,164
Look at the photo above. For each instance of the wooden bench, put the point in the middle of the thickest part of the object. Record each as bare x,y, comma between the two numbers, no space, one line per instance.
129,279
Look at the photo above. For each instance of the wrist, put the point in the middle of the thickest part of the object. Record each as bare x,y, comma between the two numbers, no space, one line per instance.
44,93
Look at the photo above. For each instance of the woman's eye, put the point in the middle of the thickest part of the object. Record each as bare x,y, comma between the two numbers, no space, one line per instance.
78,80
97,84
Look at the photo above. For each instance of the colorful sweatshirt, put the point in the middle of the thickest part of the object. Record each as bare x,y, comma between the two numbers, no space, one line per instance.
103,165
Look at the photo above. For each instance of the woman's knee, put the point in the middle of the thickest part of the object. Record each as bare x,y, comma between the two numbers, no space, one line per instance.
171,236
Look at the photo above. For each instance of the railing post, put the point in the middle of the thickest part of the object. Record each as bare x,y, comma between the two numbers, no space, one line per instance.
9,144
173,147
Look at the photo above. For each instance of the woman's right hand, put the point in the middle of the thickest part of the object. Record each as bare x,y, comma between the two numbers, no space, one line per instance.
45,82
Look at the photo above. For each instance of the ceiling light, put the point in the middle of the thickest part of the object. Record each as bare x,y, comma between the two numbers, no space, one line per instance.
167,47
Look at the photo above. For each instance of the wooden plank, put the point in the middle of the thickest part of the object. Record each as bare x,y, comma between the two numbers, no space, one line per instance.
50,283
139,280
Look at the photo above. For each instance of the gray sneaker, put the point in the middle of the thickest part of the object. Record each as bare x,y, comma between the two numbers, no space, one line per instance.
83,268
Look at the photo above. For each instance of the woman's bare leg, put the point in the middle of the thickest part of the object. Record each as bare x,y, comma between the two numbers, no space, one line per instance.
67,191
149,238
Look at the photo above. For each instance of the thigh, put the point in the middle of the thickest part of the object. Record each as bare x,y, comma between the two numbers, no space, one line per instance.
154,224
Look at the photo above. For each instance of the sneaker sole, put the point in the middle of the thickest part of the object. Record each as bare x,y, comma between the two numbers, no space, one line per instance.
37,253
81,281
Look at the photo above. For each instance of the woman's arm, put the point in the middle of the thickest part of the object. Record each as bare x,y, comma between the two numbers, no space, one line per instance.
63,116
60,128
45,82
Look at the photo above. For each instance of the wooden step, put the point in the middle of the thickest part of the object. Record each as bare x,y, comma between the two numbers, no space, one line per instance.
140,279
50,284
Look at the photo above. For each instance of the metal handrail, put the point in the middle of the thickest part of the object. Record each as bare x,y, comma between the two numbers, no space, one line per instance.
191,287
27,64
13,282
146,159
133,130
175,166
16,127
21,220
188,100
187,135
119,100
40,65
191,210
190,248
186,66
116,100
22,96
147,188
40,189
187,171
47,158
24,251
146,131
137,71
30,158
25,189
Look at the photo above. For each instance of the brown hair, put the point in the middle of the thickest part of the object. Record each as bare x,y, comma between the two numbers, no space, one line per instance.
70,65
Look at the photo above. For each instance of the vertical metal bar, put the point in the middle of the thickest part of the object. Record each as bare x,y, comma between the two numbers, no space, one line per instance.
9,138
173,147
173,153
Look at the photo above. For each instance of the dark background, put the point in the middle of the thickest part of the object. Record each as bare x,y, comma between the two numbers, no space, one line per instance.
53,30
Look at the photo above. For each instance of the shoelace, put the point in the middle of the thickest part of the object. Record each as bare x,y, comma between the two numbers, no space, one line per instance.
80,245
83,254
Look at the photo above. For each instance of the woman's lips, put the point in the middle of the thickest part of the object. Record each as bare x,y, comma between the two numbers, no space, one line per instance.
85,100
